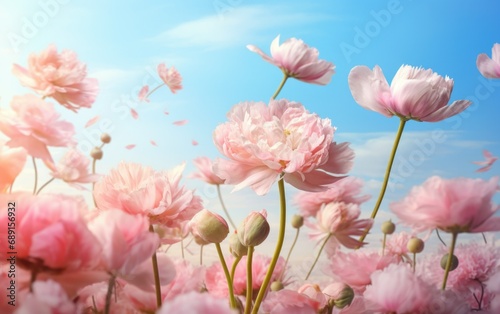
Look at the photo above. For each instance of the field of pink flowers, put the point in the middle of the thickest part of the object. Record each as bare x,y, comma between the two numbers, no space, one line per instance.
62,254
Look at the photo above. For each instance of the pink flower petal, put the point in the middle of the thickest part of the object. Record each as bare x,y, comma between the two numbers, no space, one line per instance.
143,93
130,146
92,121
180,122
153,143
134,114
166,112
194,142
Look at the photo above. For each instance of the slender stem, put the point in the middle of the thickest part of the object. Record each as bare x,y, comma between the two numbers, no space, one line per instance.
33,275
11,185
279,245
93,183
439,237
111,286
484,238
414,262
44,185
280,87
248,304
182,248
153,90
290,253
317,256
383,244
232,300
402,123
454,236
156,274
36,175
201,254
224,207
233,268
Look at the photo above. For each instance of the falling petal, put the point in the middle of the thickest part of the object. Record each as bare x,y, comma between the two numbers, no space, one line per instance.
134,113
181,122
143,93
194,142
130,146
153,143
166,112
92,121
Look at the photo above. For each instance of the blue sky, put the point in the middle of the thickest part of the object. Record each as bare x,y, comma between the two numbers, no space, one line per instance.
122,42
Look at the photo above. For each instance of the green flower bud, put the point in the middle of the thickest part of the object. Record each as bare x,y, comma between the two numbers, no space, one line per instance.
388,227
454,261
235,247
254,229
96,153
210,227
415,245
276,286
297,221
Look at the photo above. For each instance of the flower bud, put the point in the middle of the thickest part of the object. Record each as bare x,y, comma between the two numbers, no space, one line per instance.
415,245
276,286
105,138
340,294
297,221
235,247
198,240
210,227
454,261
388,227
96,153
254,229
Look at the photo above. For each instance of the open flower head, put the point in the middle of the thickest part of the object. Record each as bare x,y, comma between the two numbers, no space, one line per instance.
490,67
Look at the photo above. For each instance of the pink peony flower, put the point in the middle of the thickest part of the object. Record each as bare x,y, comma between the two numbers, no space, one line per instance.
196,303
34,125
265,143
490,67
48,297
73,169
298,60
456,205
346,190
205,171
12,162
136,189
171,77
397,244
290,302
415,93
51,233
60,76
314,292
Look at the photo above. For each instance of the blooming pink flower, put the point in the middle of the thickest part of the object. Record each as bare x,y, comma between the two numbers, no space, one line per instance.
397,244
298,60
73,169
283,139
456,205
48,297
60,76
290,302
196,303
490,67
51,233
171,77
314,292
346,190
415,93
205,171
136,189
12,161
34,125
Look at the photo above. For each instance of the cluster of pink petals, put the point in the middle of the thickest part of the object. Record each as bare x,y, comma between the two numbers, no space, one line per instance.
73,168
34,125
205,171
171,77
12,161
60,76
48,297
298,60
51,233
455,205
414,93
346,190
289,301
490,67
282,140
136,189
196,303
397,244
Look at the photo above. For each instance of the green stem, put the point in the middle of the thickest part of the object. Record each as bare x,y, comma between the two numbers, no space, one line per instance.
383,244
402,123
111,285
36,175
317,256
280,87
454,236
156,274
44,185
414,264
201,255
233,268
232,300
248,304
279,245
224,207
290,253
153,90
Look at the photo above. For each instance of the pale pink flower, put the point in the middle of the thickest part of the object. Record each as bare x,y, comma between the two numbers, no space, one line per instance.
396,289
346,190
136,189
265,143
289,302
48,297
298,60
196,303
415,93
489,67
34,125
397,244
339,221
314,292
205,171
171,77
51,233
73,168
12,162
455,205
488,161
60,76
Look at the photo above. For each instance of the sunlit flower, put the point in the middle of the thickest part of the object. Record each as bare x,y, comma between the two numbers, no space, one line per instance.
205,171
490,67
73,168
171,77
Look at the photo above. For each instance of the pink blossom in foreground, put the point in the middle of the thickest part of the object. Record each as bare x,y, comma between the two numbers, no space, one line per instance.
264,143
346,190
73,168
290,302
196,303
48,297
489,67
34,125
488,161
51,233
205,171
314,292
60,76
298,60
171,77
12,162
455,205
415,93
